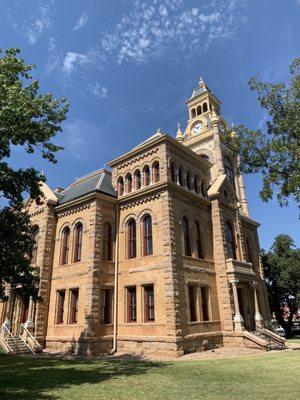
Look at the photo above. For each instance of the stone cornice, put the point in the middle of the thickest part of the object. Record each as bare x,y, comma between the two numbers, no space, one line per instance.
87,198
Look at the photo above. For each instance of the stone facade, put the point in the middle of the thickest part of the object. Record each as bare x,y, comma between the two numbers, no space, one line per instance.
159,255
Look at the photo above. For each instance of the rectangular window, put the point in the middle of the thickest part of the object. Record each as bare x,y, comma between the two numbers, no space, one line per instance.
74,294
205,302
149,303
192,302
61,294
131,304
106,315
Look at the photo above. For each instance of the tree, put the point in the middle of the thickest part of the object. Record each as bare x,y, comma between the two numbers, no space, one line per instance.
275,153
282,273
28,119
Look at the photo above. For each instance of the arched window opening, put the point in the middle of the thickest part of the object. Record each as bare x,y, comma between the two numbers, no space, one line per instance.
180,177
204,107
231,248
193,113
120,186
173,172
146,172
186,237
204,156
137,180
199,241
128,183
229,170
196,184
35,238
199,110
108,242
156,172
188,181
131,239
65,246
78,242
147,236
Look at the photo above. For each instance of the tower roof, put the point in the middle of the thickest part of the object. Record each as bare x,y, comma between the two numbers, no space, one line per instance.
201,89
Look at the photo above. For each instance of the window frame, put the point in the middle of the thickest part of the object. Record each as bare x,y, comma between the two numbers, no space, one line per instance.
149,303
199,243
156,172
192,298
78,234
131,239
65,245
73,307
108,242
147,235
60,306
230,241
131,304
106,307
205,302
186,237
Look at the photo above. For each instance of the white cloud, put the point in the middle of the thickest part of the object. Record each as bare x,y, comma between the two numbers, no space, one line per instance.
82,21
41,21
71,59
98,90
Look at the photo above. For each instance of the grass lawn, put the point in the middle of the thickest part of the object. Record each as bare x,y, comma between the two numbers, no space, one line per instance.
294,340
272,375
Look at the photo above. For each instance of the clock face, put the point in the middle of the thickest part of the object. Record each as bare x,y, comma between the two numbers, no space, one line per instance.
197,128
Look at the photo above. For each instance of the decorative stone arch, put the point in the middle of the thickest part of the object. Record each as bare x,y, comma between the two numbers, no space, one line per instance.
127,218
64,225
76,221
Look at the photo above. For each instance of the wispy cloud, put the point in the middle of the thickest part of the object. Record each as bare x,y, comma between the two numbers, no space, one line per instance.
82,21
71,59
40,21
98,90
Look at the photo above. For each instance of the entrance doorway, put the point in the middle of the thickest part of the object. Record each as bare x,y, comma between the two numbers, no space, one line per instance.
246,307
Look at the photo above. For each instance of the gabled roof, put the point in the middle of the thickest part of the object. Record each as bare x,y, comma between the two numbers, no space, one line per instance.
49,195
215,188
156,135
97,181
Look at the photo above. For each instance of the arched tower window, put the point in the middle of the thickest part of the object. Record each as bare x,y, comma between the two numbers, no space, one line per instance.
193,112
186,236
231,248
199,110
173,172
229,170
131,233
156,172
120,186
65,243
204,156
199,241
107,242
180,177
137,180
147,236
78,242
196,184
204,107
35,238
188,181
147,178
128,183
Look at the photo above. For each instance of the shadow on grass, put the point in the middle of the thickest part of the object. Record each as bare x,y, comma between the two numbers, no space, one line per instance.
32,378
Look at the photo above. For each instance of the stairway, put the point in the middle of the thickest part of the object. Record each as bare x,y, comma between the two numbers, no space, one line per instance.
16,345
267,339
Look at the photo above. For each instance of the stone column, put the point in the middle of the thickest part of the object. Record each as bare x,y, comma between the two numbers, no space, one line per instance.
237,319
29,323
151,176
8,311
257,316
217,144
177,176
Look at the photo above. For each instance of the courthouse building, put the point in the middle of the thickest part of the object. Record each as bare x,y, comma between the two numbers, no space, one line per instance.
158,255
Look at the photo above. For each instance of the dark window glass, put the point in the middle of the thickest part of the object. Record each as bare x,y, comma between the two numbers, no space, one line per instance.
186,237
230,241
147,177
180,177
204,298
129,183
196,184
132,239
138,180
199,241
199,110
173,172
60,306
108,242
156,172
120,186
193,113
131,304
74,306
149,303
147,230
107,306
78,242
204,107
65,246
188,181
192,303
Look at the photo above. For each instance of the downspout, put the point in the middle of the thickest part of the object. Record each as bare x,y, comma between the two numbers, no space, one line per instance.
114,349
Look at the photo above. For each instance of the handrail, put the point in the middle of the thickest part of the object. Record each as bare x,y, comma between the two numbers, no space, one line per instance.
4,327
35,342
272,336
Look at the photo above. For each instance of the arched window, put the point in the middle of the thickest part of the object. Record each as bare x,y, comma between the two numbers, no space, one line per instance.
35,238
173,172
230,241
128,183
180,177
204,107
204,156
229,170
131,232
199,110
120,186
188,181
65,243
147,236
186,236
107,242
78,242
156,172
196,184
146,172
193,113
199,241
137,180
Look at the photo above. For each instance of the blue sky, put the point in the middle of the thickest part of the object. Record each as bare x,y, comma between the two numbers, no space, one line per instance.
127,67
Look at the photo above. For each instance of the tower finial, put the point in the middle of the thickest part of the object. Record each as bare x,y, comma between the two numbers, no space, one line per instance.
179,135
201,82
